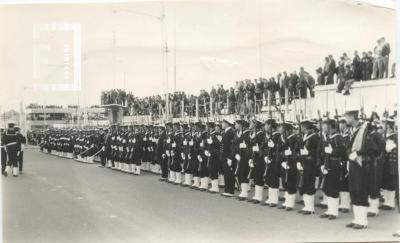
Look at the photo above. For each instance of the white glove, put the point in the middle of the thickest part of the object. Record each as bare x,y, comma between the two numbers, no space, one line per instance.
299,167
209,141
189,156
229,162
390,145
163,156
288,152
167,152
347,165
191,143
219,137
268,161
174,145
323,170
237,157
199,158
251,163
183,156
206,153
255,148
271,144
242,145
103,148
284,165
304,151
328,149
172,153
353,156
185,142
168,140
201,144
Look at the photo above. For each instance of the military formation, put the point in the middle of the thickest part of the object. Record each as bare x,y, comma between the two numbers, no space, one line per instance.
351,159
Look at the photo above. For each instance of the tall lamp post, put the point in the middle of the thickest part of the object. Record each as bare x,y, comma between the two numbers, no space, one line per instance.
161,19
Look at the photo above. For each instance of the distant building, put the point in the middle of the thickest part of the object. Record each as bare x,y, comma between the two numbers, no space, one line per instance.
43,117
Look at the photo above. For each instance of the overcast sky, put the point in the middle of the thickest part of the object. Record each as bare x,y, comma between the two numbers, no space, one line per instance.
216,42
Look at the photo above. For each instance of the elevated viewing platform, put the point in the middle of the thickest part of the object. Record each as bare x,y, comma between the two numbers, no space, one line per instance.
373,95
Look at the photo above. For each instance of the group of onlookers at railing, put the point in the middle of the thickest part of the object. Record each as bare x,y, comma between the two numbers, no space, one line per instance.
248,97
370,65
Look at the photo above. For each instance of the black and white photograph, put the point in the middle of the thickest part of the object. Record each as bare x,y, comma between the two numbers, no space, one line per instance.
199,121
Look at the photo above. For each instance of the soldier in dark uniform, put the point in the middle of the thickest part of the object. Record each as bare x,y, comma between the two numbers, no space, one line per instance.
344,194
361,149
219,132
256,161
176,164
227,159
22,140
241,147
334,152
272,150
213,150
169,152
107,147
203,157
3,153
151,148
187,150
137,150
194,158
376,169
162,158
307,166
390,182
290,152
13,147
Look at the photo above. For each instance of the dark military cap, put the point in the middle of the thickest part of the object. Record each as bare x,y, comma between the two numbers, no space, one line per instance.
330,122
240,121
287,125
352,113
257,122
271,122
228,121
211,124
11,125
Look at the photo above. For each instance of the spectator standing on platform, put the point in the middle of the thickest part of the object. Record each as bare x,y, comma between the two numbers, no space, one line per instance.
294,79
378,61
320,76
329,69
385,57
366,63
357,70
283,86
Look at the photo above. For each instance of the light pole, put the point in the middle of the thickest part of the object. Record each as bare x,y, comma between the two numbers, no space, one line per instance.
164,44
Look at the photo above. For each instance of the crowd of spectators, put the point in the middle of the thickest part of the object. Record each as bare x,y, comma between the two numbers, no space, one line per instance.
250,96
370,65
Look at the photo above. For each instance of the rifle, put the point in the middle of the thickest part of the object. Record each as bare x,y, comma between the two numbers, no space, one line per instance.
300,173
286,172
252,154
326,157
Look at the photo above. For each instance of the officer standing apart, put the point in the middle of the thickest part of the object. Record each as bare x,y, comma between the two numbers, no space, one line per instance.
13,147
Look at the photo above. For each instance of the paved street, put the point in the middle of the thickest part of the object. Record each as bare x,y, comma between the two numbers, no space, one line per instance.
61,200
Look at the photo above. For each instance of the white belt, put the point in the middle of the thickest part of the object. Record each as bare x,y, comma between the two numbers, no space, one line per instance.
13,143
